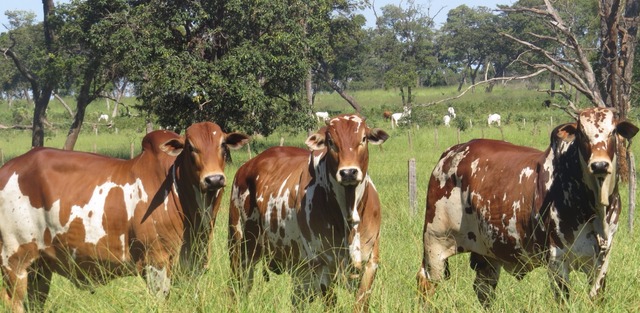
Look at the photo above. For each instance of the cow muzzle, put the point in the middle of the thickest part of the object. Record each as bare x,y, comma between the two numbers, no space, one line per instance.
603,179
349,176
213,182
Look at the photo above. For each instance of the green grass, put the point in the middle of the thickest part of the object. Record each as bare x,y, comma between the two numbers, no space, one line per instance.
401,241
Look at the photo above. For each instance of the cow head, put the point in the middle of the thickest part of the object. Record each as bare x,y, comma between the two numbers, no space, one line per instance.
596,134
205,149
346,139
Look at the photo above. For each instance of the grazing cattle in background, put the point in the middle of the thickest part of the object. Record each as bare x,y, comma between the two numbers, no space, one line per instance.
493,119
92,218
313,214
322,116
447,120
452,112
396,117
519,208
386,115
103,117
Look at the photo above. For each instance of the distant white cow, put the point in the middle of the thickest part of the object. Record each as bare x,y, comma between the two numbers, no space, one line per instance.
322,116
494,119
452,112
103,117
447,120
396,117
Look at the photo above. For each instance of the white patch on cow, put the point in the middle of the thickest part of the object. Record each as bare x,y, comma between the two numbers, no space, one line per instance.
158,281
26,223
526,172
548,167
598,131
456,158
123,244
474,166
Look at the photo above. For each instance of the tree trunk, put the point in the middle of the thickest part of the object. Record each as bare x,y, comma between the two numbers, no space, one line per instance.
354,104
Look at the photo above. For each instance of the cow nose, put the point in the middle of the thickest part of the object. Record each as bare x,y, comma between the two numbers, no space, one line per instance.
214,181
349,175
600,167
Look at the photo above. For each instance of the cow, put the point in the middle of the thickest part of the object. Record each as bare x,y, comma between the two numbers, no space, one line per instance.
451,111
396,117
446,120
91,218
322,116
493,119
314,214
386,115
103,117
519,208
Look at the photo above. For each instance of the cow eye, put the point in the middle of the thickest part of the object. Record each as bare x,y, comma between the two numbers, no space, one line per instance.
331,144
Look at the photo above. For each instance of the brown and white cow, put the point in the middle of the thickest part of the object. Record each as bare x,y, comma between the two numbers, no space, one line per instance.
519,208
313,214
91,218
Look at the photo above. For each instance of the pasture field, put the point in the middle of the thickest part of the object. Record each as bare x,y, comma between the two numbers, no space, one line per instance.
401,242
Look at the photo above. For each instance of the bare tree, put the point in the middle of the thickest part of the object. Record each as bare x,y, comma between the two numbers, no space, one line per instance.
617,42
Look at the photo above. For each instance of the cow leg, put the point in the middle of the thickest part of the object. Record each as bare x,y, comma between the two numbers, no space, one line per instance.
158,281
597,276
38,283
244,253
366,282
487,276
437,250
558,274
15,289
307,283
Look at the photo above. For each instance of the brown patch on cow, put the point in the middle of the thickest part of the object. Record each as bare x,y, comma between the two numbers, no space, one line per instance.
47,236
115,221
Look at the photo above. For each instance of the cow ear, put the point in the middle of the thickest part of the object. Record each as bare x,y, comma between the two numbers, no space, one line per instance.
563,133
236,140
316,141
377,136
626,129
173,147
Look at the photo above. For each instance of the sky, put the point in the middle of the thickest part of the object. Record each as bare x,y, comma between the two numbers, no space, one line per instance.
433,6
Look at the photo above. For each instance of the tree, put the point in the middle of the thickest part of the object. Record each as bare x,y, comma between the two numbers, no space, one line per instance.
404,46
39,71
239,64
599,66
468,41
92,62
26,38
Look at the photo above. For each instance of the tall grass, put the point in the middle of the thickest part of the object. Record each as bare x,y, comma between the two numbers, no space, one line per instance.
401,241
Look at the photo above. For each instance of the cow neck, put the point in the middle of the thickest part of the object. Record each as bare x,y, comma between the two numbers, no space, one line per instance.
567,174
197,215
348,198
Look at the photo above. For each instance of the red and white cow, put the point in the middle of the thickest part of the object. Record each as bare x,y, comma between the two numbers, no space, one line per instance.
313,214
91,218
519,208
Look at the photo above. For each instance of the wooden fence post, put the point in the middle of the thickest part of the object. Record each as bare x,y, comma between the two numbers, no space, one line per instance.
632,189
1,157
281,141
249,150
132,150
412,182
